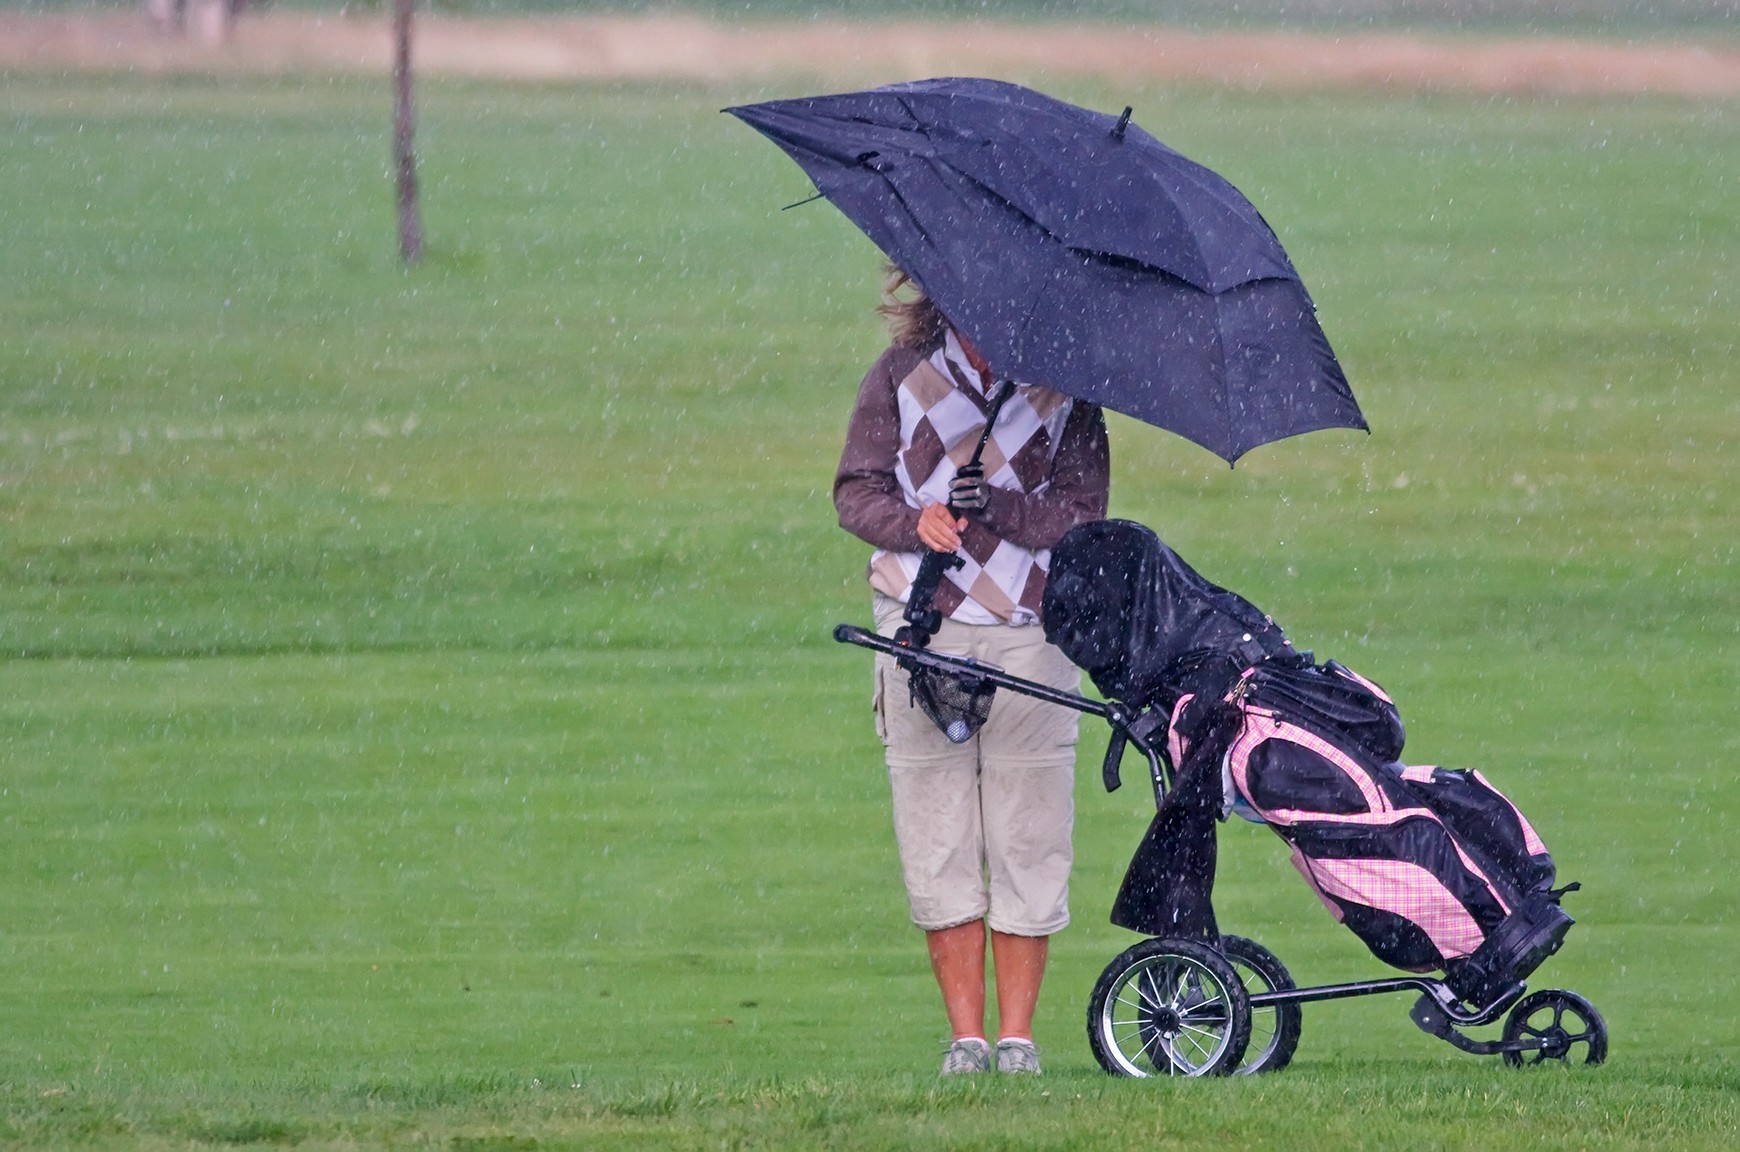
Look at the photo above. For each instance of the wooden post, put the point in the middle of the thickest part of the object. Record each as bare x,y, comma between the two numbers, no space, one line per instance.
404,158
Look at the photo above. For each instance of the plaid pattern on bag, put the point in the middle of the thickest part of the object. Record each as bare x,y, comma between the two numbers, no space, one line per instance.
943,403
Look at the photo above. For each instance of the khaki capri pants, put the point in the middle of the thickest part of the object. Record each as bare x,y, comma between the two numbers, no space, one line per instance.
983,827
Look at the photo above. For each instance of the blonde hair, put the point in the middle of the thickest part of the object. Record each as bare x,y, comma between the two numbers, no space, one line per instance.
913,320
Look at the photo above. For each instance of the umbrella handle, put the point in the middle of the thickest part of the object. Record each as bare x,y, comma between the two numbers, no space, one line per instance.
922,619
999,397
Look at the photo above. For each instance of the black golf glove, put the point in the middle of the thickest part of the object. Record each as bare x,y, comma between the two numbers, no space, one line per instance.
968,491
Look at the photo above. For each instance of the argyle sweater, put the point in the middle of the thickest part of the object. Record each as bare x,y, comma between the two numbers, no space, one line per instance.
917,419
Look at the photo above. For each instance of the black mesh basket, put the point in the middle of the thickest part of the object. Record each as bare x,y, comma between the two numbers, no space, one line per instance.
956,702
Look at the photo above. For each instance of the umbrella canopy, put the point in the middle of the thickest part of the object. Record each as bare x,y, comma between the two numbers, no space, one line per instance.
1078,252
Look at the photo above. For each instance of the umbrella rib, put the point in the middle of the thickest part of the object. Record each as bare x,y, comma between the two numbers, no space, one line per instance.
1032,311
917,122
916,220
806,200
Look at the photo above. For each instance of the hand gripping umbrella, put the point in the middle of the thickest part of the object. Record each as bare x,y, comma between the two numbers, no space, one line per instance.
1077,252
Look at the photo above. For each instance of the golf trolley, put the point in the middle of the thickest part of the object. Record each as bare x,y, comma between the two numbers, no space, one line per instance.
1185,1007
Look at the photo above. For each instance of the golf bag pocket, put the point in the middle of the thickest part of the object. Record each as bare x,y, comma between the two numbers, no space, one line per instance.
1422,864
1333,700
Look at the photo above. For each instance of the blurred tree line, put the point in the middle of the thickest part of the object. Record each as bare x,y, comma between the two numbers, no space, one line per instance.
1630,17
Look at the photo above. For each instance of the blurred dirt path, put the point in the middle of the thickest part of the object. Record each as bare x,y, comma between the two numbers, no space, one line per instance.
841,54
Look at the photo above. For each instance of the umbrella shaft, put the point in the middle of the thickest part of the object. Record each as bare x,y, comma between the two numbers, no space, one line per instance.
1000,397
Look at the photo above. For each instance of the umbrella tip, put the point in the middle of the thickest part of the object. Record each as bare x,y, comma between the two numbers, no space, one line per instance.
1123,123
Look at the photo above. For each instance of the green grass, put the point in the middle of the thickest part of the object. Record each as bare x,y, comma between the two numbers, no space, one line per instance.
419,721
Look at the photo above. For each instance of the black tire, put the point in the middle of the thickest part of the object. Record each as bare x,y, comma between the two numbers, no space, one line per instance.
1275,1029
1169,1008
1563,1022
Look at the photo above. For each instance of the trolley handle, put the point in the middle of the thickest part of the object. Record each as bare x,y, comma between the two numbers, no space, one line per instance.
1111,769
1127,731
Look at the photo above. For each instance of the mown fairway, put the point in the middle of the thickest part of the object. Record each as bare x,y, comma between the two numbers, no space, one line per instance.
419,720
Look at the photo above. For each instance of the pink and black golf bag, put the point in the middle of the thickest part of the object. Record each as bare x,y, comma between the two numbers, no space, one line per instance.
1433,868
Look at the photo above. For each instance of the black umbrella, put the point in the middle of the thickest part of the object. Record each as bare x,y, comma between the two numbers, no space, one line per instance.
1077,252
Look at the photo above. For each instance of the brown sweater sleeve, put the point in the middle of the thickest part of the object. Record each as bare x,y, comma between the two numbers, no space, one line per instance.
1080,484
866,492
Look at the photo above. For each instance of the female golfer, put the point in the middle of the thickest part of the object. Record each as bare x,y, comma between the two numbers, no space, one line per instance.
983,826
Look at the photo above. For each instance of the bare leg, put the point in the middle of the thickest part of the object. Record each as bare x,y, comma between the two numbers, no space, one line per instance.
1020,962
957,957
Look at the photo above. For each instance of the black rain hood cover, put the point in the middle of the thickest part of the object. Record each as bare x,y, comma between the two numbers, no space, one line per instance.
1139,620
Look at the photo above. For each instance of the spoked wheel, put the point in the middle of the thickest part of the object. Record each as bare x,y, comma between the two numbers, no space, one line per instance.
1566,1026
1169,1008
1275,1029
